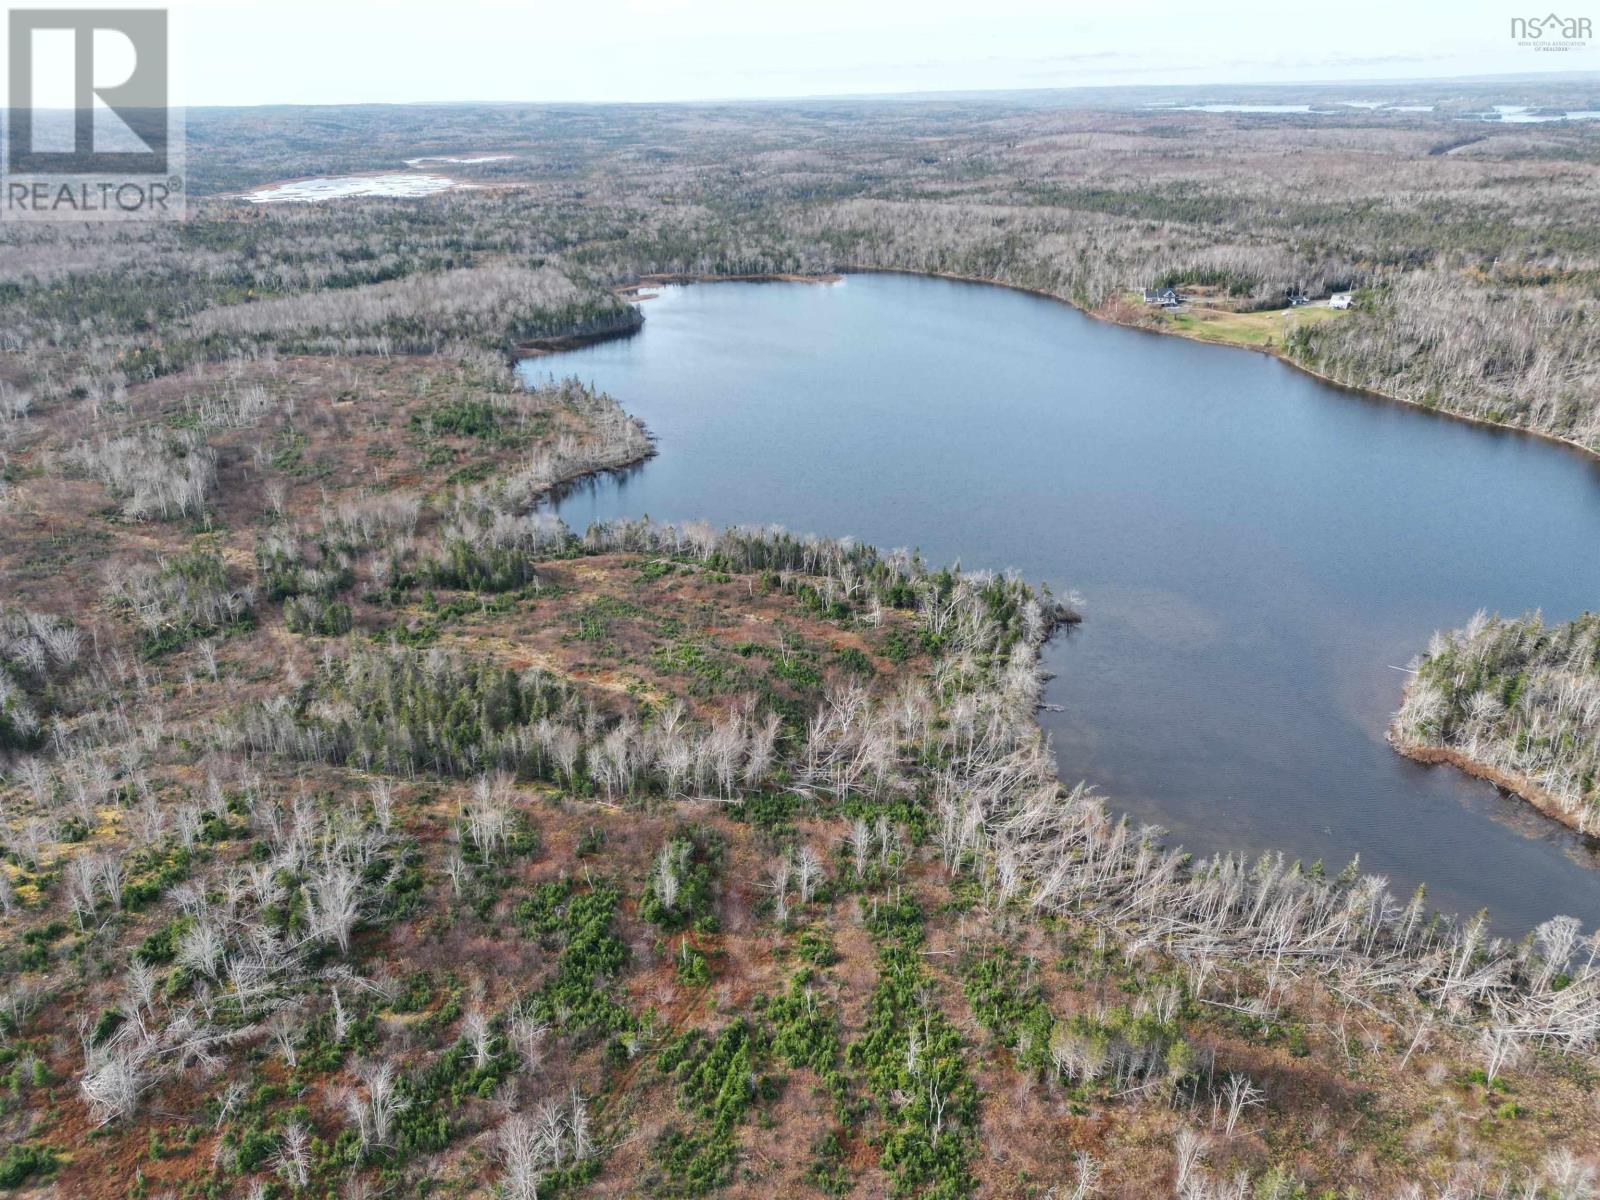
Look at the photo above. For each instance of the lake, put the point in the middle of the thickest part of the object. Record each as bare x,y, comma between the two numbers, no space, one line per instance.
1256,552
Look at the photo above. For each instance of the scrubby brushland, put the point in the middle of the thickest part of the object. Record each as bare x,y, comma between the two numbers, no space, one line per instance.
1517,701
365,831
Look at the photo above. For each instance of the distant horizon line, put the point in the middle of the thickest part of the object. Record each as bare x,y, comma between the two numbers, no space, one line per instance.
1510,77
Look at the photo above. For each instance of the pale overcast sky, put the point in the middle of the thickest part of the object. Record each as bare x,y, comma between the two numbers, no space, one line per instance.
291,51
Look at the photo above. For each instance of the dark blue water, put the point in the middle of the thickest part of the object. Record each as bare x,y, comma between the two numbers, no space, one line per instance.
1255,551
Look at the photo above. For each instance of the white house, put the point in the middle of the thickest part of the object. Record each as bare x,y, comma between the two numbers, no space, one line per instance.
1339,300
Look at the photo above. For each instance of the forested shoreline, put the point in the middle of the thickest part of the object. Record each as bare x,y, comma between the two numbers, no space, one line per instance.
1518,701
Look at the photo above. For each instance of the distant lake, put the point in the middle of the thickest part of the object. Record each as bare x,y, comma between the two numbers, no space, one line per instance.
1331,108
1256,552
1521,114
342,187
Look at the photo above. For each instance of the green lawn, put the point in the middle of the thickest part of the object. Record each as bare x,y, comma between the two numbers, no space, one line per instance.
1263,329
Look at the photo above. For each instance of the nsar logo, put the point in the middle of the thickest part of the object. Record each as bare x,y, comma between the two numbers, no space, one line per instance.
1552,32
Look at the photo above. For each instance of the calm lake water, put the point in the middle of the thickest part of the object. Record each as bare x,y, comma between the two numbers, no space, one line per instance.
1256,552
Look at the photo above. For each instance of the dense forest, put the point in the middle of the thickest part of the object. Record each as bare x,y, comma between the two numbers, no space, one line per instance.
365,831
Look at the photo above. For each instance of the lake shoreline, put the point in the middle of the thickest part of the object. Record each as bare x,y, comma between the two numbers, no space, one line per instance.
917,348
669,278
558,343
1270,351
1516,784
1110,318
